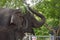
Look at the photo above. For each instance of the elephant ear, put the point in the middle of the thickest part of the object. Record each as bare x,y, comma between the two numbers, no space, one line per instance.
34,21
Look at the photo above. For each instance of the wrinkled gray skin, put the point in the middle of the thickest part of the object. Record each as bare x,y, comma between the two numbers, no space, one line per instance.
9,28
15,28
4,22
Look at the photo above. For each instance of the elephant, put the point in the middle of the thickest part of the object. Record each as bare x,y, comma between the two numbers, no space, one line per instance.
14,24
11,21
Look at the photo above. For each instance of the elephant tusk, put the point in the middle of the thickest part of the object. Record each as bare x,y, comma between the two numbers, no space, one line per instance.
12,19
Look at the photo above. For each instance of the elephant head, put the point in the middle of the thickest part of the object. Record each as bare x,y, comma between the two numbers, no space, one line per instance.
27,22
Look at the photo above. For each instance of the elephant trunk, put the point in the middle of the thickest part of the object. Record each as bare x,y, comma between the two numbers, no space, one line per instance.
37,23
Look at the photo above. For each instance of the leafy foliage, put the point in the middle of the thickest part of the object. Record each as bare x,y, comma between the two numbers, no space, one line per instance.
50,8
